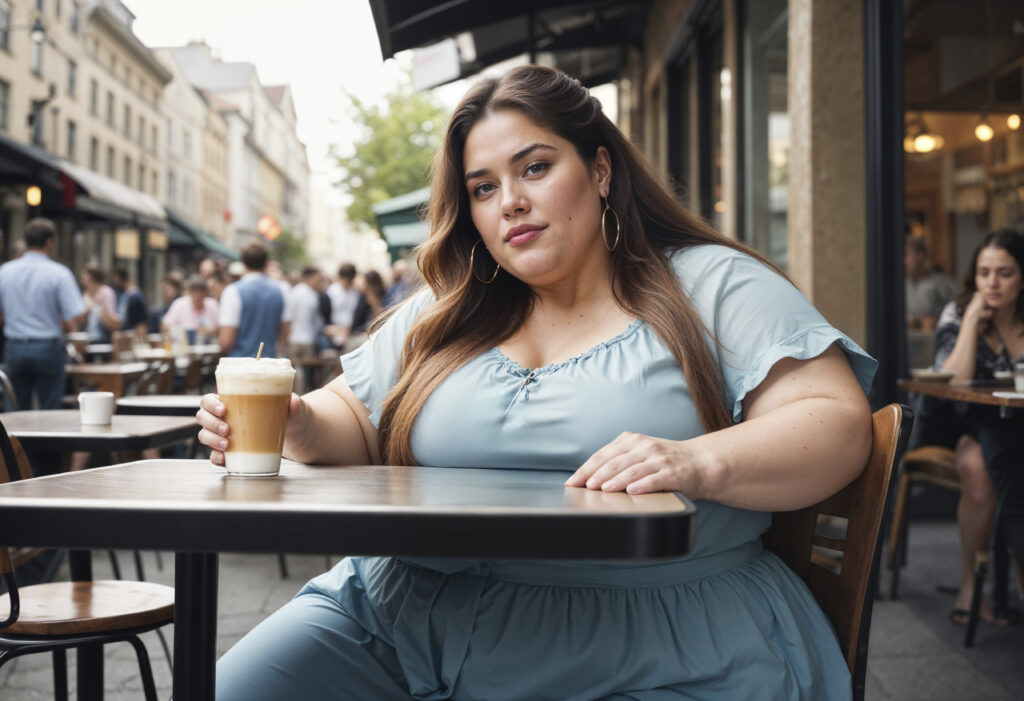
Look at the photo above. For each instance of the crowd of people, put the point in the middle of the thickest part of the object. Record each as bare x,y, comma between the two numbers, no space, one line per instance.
236,305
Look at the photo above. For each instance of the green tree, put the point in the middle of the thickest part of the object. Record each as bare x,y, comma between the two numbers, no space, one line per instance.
289,250
392,152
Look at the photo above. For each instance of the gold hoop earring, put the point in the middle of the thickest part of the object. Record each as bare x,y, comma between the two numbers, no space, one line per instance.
618,227
472,268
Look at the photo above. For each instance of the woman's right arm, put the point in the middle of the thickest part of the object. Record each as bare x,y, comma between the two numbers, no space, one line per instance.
325,426
964,356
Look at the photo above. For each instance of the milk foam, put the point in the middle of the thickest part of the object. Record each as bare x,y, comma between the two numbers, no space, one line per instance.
251,376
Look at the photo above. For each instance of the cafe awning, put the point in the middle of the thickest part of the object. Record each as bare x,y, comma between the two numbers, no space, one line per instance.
401,219
585,39
72,188
105,197
183,234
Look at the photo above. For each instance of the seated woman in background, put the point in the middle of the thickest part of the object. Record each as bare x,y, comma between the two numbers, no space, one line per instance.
979,333
577,318
196,312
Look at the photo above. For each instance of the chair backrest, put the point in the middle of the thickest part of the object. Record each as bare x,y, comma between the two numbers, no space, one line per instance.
123,343
837,569
8,390
8,458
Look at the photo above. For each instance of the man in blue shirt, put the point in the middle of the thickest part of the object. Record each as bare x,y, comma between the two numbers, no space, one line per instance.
253,310
39,302
133,315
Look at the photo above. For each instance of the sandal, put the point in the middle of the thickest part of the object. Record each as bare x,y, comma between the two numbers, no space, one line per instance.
959,617
1006,617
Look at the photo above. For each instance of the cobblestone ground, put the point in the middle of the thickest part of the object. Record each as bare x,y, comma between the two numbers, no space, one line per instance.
915,653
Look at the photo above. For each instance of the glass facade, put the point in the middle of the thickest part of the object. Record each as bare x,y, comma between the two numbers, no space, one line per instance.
765,128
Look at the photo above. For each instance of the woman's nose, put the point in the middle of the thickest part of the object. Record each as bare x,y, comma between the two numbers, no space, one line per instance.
514,202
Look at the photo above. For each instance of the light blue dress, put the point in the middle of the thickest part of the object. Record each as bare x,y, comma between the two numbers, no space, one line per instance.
730,621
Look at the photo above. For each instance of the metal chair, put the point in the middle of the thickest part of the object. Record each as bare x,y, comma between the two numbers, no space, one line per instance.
840,570
56,616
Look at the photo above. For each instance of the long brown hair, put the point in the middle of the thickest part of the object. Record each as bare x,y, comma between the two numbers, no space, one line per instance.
469,317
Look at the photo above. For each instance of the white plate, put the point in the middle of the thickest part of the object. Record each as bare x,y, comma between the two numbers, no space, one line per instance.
929,375
1009,395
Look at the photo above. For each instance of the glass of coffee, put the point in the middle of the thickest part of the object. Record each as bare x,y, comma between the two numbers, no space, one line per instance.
255,394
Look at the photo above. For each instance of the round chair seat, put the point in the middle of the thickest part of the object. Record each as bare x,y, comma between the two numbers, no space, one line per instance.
70,608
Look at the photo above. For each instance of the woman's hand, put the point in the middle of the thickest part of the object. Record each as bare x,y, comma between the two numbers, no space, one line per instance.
215,431
640,464
976,313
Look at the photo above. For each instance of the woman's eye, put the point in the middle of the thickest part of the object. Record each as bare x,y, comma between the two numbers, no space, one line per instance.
536,168
482,189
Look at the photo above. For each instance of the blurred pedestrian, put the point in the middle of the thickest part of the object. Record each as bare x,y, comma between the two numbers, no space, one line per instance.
252,310
132,312
39,303
100,303
344,299
215,284
401,283
304,308
928,290
196,312
171,286
371,300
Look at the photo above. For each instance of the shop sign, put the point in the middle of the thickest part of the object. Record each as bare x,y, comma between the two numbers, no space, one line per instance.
157,239
126,244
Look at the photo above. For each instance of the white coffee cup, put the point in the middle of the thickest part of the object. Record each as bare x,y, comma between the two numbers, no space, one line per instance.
97,408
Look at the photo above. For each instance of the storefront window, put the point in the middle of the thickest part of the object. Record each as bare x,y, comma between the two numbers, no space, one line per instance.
721,92
765,128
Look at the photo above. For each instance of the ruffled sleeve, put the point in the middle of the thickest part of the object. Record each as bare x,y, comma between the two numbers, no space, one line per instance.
372,369
758,318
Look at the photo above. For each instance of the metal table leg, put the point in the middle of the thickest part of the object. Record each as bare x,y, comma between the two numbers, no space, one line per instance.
90,657
195,625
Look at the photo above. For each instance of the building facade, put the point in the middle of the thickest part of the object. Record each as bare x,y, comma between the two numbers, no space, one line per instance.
86,92
267,165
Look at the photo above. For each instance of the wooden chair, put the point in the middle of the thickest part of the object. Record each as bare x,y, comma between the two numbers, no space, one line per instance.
56,616
8,393
842,584
929,464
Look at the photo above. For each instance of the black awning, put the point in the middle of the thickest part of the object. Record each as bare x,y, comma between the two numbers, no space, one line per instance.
21,164
578,34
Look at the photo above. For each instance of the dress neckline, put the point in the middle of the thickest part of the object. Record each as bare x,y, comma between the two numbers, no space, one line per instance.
518,369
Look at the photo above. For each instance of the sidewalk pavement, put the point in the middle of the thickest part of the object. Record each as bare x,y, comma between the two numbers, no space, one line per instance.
915,653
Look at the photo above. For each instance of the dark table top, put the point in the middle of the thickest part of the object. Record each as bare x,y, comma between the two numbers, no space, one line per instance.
192,505
62,430
964,392
160,404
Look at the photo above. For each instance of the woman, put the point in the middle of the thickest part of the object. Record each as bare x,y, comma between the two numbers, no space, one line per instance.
100,303
371,300
979,333
197,312
554,249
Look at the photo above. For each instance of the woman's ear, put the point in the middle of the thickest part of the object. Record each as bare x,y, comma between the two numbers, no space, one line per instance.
603,170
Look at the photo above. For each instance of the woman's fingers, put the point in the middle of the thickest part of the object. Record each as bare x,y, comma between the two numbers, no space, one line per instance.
582,476
214,431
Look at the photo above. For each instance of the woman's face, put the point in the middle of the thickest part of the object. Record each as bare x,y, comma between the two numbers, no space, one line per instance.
198,298
533,199
998,277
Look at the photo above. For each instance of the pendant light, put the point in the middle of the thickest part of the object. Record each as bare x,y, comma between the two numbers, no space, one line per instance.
984,131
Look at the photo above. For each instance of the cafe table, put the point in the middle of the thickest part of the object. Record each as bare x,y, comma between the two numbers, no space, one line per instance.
195,509
53,431
992,394
159,404
106,377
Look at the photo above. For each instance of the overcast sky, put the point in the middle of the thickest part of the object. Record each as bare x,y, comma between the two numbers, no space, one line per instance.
319,47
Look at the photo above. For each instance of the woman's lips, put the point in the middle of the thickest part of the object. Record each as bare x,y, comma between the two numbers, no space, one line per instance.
523,237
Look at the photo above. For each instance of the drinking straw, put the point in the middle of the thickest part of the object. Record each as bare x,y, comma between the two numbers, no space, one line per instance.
260,351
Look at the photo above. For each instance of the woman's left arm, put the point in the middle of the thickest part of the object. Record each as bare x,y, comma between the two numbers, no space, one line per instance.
806,434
